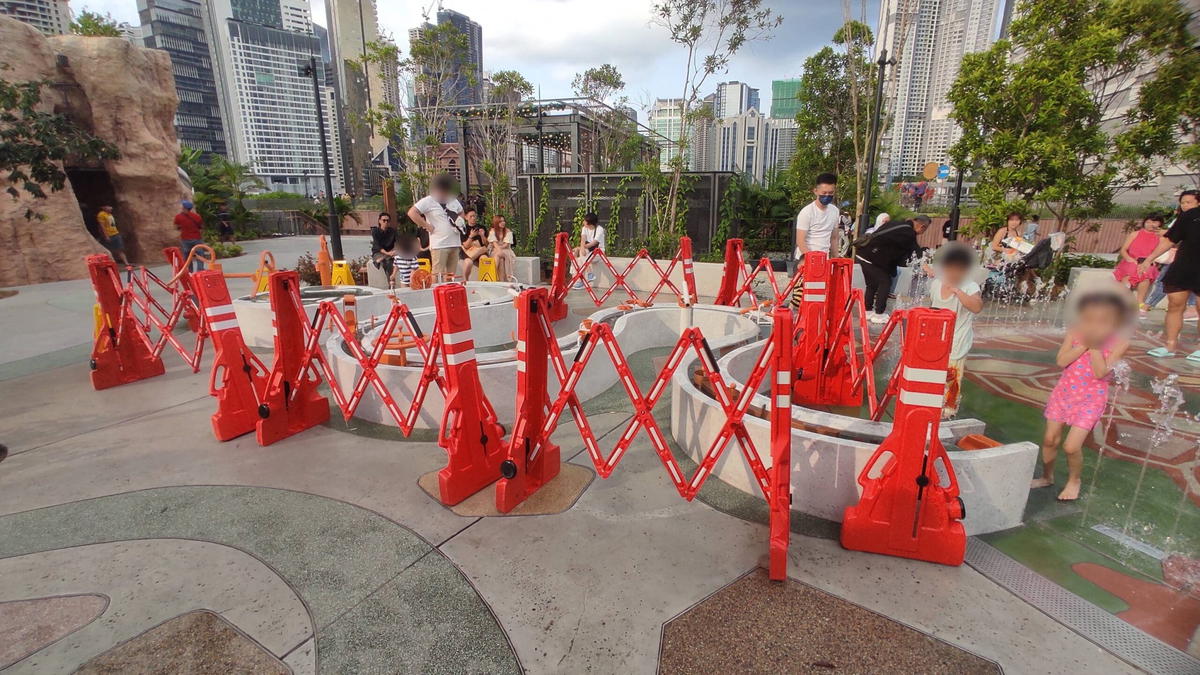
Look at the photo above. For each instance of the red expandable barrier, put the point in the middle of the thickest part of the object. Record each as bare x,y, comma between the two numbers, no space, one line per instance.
910,508
837,382
175,257
731,276
779,499
290,403
532,461
473,440
737,283
238,377
812,328
689,269
558,276
121,352
564,261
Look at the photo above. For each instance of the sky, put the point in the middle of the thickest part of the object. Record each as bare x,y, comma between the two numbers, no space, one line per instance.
549,41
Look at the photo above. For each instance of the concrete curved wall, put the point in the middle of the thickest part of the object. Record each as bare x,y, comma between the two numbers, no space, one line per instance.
636,329
255,317
994,483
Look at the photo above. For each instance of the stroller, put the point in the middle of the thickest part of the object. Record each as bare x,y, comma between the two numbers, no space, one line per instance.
1024,270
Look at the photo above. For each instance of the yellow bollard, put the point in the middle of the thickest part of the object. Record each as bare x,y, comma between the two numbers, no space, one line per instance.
423,264
341,274
261,282
487,269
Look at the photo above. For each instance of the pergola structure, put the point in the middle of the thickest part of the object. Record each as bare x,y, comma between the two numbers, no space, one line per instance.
571,128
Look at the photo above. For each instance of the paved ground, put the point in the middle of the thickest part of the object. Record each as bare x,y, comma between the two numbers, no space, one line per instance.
323,551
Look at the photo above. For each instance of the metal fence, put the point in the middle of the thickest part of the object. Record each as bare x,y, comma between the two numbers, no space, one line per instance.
555,200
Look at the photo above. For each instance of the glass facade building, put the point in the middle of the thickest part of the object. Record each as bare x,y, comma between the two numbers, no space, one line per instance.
177,27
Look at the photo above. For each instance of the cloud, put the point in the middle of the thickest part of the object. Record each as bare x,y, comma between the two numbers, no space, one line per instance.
550,40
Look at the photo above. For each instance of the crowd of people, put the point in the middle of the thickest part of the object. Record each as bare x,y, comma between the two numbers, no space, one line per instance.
448,235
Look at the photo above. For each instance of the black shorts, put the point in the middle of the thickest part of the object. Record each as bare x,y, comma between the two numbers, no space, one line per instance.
1170,288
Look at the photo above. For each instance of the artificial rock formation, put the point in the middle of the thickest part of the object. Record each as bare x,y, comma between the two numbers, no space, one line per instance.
123,94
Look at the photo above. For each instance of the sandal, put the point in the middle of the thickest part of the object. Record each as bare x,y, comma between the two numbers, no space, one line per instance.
1194,357
1161,353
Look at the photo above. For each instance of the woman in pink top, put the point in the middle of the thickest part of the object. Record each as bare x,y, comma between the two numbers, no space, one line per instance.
1137,246
1092,345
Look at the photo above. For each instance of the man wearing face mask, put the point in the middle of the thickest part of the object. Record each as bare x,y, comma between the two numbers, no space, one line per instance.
818,220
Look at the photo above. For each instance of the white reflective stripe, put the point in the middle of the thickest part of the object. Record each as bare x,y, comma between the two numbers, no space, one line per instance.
520,366
922,399
814,284
814,297
783,401
520,345
783,377
929,375
455,338
223,325
222,309
460,357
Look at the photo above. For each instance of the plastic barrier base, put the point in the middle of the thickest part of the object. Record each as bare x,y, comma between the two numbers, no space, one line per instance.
910,507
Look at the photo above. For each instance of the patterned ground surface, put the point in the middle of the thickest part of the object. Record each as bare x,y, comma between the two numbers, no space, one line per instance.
1139,512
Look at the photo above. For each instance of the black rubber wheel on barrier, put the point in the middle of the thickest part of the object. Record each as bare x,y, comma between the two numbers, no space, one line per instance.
264,411
508,468
92,364
962,508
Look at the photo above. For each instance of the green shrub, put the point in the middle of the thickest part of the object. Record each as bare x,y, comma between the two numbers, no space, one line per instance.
1060,269
226,250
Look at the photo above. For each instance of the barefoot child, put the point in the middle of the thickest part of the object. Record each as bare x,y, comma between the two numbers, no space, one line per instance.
1095,342
952,288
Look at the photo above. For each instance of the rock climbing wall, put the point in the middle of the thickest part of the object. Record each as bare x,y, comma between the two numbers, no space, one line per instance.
123,94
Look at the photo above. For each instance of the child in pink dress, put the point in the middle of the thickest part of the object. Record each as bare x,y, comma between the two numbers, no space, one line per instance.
1092,345
1138,245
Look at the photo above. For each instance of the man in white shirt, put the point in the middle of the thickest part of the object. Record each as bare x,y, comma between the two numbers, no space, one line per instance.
436,213
818,220
591,237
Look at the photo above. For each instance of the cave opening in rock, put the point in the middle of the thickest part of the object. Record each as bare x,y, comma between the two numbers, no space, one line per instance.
93,188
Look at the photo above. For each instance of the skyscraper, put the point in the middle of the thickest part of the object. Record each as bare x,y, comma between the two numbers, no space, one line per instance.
52,17
734,98
472,92
260,50
928,38
753,144
784,105
666,120
177,27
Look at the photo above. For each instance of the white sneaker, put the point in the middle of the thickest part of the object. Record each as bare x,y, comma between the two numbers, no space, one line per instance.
879,318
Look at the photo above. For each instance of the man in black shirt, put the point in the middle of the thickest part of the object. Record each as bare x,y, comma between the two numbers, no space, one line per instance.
879,254
1183,277
383,245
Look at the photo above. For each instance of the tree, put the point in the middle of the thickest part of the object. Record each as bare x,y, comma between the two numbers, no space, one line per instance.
440,74
34,143
616,138
1041,111
219,183
711,32
832,122
95,24
493,135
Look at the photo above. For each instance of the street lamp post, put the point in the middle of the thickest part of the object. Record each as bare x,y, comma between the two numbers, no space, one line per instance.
335,228
873,142
954,213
